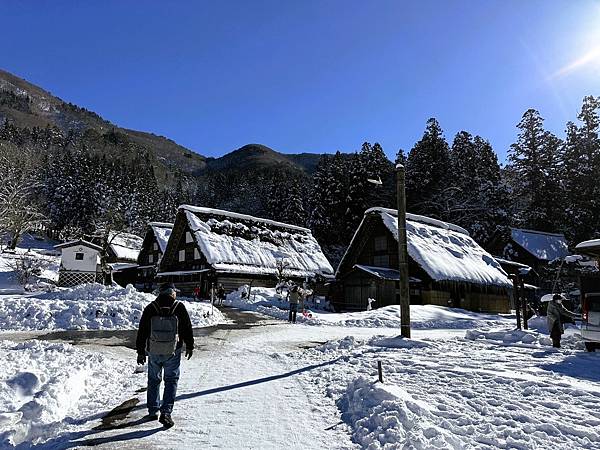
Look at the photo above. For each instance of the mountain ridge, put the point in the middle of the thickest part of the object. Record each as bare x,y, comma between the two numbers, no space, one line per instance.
25,104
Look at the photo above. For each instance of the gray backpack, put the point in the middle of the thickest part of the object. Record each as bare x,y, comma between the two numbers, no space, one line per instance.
163,331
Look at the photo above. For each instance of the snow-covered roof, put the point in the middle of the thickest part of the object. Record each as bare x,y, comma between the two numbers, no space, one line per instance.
444,251
162,232
125,246
239,243
79,242
508,262
117,267
384,273
589,245
544,246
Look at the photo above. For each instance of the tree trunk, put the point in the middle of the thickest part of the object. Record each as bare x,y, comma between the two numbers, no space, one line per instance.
14,240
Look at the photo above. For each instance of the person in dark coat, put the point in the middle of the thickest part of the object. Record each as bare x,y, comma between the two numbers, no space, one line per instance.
556,313
294,299
169,364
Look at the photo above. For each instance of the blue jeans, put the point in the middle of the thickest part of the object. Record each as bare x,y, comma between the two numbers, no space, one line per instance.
156,365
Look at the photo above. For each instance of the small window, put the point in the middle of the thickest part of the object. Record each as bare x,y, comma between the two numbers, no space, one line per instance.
79,256
381,260
150,258
380,243
188,237
155,246
181,255
196,253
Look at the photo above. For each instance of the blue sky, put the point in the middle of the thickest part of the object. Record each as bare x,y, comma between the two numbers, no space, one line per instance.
315,76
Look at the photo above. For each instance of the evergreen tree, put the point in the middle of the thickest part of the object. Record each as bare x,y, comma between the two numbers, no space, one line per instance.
428,172
581,173
534,163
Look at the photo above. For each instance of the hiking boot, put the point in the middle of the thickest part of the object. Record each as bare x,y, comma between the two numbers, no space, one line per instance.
166,420
151,416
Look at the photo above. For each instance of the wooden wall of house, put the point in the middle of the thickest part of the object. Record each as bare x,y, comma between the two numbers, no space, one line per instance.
150,247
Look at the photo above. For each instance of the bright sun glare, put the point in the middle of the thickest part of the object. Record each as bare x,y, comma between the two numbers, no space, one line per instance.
587,53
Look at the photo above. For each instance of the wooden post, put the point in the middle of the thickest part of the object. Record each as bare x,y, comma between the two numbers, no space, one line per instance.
515,279
380,371
402,254
523,303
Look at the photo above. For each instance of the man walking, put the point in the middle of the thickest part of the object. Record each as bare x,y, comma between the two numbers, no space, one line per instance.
164,327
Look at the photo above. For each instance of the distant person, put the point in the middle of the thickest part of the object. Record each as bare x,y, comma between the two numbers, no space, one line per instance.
197,293
556,314
164,327
294,299
220,294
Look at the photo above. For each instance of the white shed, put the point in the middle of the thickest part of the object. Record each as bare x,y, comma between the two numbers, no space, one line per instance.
79,263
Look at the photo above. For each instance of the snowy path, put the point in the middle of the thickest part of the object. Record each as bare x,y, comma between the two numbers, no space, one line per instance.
237,393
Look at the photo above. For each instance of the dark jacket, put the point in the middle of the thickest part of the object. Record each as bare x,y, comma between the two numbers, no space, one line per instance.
184,326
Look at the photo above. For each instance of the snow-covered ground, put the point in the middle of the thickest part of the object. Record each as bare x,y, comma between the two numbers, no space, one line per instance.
41,250
267,301
492,389
45,386
88,307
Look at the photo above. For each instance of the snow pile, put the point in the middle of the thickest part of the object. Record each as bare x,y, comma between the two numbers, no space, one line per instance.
267,301
495,391
88,307
544,246
43,383
382,416
239,243
446,252
526,337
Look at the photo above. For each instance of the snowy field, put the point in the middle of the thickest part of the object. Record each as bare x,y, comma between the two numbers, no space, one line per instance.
490,389
267,301
45,387
88,307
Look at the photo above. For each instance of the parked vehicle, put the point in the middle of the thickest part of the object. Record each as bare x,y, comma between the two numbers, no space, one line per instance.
590,325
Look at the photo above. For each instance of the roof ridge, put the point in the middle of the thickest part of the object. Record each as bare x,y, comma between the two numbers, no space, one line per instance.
235,215
538,232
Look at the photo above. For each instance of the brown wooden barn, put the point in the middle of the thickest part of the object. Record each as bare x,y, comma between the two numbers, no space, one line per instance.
210,246
153,248
446,266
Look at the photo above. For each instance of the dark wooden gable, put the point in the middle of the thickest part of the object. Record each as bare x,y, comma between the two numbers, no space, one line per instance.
150,246
194,259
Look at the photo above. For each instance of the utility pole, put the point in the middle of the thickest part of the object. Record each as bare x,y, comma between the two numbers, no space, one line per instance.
402,254
516,297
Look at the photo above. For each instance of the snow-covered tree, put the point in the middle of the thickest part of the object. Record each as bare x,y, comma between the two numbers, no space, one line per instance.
428,172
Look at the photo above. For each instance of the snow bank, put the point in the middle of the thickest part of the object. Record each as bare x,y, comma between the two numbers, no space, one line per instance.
43,383
382,416
459,393
267,301
88,307
533,338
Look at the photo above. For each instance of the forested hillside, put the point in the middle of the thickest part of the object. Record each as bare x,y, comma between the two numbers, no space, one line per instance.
75,172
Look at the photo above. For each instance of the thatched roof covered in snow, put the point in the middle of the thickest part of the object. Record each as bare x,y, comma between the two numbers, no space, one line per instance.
240,243
445,252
